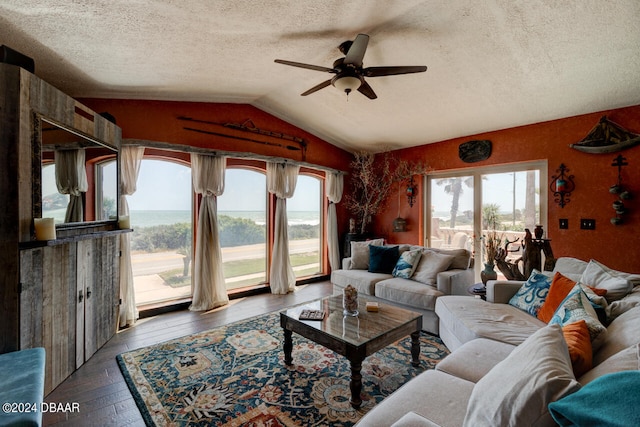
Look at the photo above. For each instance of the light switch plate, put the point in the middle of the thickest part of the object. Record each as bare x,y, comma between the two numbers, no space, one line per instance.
587,224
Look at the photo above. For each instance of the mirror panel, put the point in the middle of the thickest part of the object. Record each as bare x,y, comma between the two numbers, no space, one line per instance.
100,200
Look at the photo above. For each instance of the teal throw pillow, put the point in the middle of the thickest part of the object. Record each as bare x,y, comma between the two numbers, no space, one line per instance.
575,307
610,400
407,264
532,293
382,259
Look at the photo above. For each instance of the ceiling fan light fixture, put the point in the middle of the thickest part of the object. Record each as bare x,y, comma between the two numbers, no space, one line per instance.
346,84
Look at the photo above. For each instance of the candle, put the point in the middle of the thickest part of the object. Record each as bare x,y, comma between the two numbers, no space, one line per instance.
561,185
124,222
45,228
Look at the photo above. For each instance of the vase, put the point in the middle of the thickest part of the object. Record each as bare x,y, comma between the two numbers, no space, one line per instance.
350,301
538,232
488,273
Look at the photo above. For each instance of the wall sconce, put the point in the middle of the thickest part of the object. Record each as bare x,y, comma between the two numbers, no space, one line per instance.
399,225
562,185
412,190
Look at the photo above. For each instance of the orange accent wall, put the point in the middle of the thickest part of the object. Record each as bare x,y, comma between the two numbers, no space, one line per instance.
616,246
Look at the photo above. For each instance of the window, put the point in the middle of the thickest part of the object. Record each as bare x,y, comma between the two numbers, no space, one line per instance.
106,191
161,217
465,205
54,204
304,226
242,217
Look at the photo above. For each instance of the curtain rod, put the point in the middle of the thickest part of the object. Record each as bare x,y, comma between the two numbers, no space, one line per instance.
131,142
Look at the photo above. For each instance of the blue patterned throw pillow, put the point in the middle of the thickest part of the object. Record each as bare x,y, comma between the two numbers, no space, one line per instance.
407,264
532,294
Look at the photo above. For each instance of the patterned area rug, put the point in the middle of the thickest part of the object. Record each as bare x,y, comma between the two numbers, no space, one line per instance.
235,376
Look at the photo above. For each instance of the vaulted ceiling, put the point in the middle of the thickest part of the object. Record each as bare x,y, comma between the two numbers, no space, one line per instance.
492,64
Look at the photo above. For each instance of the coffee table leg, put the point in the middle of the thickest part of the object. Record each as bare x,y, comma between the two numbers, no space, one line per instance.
415,349
356,383
288,347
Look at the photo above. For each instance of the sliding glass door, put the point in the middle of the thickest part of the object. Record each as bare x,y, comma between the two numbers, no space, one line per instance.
466,205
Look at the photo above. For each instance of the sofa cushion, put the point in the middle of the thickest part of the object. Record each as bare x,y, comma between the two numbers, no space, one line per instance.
578,340
470,318
616,308
576,306
610,400
411,419
625,360
362,280
517,391
407,292
407,264
431,263
382,259
558,291
570,267
623,332
461,257
532,293
615,282
439,397
474,359
360,253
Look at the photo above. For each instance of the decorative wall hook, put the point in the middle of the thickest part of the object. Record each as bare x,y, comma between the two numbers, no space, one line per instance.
619,190
562,185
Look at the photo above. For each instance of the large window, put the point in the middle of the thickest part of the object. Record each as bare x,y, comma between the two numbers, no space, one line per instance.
466,205
242,216
305,221
161,217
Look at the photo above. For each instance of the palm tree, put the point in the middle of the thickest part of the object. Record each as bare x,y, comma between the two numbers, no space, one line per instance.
453,186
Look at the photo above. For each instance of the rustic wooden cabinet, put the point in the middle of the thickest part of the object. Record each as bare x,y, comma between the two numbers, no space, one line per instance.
60,294
69,301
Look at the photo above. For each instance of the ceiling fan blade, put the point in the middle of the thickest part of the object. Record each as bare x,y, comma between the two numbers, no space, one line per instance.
366,90
316,88
307,66
356,51
392,71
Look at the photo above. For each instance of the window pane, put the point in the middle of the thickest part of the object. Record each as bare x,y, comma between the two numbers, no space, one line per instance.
161,217
452,212
304,219
242,215
54,204
106,191
511,203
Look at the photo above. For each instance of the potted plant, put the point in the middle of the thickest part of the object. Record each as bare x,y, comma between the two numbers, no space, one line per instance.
492,243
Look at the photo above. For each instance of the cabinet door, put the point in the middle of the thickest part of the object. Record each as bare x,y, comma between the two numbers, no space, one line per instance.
98,272
48,308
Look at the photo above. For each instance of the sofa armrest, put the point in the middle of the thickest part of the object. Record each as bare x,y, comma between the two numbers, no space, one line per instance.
501,291
454,282
346,263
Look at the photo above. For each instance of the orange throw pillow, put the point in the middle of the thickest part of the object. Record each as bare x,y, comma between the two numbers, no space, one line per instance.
579,343
558,291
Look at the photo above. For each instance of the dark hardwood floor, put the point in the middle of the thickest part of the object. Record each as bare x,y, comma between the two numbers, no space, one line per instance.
98,386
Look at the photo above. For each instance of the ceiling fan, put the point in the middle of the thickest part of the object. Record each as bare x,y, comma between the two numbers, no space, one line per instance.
349,74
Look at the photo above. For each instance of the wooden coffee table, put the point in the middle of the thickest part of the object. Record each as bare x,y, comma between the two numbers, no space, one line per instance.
352,337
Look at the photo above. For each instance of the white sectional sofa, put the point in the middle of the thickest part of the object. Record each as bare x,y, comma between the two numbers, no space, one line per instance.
506,366
437,272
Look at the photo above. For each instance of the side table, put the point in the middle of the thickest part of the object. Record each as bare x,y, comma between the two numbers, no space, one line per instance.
479,290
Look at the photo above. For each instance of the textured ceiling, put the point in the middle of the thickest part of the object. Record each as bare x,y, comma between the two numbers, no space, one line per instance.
491,64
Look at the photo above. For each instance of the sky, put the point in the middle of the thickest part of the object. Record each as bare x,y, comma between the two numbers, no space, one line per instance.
167,186
496,188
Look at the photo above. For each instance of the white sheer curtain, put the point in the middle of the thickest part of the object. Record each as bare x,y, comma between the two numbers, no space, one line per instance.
281,181
130,159
209,289
71,179
334,187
